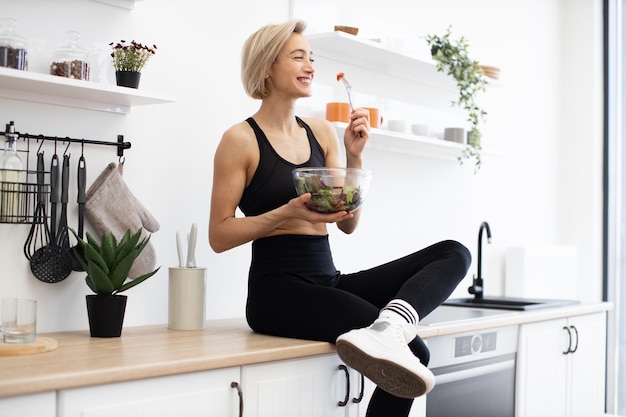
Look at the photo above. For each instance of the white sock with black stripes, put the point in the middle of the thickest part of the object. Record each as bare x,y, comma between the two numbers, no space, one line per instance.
400,312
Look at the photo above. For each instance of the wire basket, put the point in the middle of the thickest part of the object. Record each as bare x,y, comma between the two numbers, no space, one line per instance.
18,199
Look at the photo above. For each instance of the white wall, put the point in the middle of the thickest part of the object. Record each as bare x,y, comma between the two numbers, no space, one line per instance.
541,187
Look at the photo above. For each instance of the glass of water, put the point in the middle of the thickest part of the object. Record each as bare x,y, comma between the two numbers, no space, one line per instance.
18,319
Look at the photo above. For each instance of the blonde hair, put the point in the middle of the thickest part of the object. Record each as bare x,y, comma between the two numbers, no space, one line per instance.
259,53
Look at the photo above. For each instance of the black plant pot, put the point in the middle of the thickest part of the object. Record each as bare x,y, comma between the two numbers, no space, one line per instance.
127,78
106,315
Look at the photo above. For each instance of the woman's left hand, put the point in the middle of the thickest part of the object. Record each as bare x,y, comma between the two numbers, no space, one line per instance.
358,132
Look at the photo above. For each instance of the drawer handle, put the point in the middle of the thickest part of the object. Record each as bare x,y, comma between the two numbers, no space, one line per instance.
345,400
358,399
240,393
576,333
569,333
569,343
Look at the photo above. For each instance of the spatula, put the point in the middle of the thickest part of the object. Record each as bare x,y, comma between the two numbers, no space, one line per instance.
191,246
81,198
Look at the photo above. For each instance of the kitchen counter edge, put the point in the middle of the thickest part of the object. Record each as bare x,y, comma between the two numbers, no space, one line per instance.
156,351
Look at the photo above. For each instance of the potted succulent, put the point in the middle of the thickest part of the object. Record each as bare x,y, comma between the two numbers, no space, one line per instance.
128,60
452,57
107,265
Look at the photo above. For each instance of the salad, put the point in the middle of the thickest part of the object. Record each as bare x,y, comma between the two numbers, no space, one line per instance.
327,198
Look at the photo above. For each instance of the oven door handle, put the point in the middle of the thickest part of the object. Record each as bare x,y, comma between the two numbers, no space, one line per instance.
474,372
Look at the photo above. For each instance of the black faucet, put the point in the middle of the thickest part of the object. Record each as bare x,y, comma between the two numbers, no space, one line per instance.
477,285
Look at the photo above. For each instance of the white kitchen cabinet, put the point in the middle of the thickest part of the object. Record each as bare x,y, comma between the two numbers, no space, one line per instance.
561,367
207,394
50,89
307,387
33,405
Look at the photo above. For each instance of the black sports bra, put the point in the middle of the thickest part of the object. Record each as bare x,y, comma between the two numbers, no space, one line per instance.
272,184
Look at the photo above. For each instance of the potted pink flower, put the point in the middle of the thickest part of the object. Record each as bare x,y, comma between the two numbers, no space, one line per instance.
128,61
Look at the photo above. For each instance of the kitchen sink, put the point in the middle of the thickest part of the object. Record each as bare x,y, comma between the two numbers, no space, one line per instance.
446,314
508,303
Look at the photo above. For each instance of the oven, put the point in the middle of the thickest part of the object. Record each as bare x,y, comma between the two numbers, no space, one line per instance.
474,374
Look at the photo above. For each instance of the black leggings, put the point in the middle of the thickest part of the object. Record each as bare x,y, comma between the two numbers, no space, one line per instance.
294,290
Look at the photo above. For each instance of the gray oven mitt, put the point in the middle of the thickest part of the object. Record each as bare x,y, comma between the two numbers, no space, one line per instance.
111,206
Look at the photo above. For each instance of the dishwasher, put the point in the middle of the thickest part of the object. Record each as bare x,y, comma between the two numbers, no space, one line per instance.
474,373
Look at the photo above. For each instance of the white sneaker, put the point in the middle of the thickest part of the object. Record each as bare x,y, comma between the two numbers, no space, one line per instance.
380,353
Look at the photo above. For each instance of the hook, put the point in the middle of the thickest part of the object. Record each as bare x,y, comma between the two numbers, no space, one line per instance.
67,147
41,144
55,145
120,147
82,147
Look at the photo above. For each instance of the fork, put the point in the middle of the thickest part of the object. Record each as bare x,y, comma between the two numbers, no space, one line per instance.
346,83
348,89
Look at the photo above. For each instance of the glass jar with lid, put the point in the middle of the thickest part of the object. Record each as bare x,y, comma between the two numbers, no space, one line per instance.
70,60
12,48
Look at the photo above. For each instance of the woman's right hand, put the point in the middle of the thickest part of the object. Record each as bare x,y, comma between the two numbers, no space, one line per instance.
299,210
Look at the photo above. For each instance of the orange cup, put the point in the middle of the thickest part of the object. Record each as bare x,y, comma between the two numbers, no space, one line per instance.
338,112
376,119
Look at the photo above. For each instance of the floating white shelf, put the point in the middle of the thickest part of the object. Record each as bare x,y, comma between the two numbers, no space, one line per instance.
343,47
50,89
404,76
406,143
125,4
371,55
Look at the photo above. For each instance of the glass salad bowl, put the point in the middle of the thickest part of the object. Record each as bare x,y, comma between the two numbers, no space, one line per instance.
333,189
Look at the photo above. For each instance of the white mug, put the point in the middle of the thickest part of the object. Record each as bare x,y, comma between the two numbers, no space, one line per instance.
420,129
397,125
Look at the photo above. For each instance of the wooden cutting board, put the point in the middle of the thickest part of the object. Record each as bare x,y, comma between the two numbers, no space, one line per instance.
40,345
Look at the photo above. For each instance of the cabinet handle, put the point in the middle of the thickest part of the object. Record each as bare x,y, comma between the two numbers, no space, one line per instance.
240,393
358,399
569,341
576,333
345,400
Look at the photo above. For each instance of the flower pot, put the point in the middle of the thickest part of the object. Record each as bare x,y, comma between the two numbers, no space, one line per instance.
127,78
106,315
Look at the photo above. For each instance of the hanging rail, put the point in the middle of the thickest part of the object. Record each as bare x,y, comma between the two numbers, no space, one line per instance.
120,144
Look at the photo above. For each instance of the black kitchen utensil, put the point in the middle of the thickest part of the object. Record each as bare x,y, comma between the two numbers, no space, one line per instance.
39,234
81,180
54,195
52,262
63,238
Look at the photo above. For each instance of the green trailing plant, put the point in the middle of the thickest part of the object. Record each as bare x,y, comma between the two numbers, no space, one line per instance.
452,58
130,56
108,263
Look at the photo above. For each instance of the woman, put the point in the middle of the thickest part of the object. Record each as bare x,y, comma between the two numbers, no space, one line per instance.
294,289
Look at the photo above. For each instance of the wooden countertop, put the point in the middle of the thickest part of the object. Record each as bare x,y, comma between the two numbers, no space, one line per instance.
153,351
